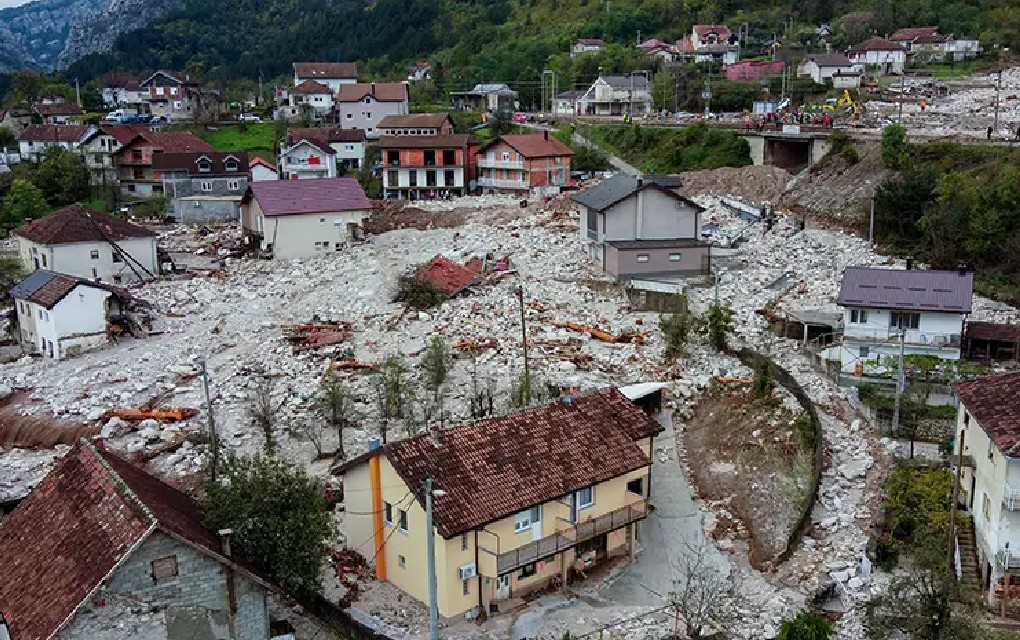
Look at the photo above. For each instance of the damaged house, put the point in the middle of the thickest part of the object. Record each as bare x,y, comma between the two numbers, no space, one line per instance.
101,549
61,316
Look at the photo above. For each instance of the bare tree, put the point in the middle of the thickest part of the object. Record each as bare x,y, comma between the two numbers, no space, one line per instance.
436,364
264,412
315,431
701,589
398,393
481,401
336,406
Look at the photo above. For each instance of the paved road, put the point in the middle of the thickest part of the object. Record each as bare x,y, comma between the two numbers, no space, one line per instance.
675,522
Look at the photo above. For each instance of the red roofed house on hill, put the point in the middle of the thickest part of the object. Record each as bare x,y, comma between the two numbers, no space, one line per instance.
99,145
988,428
525,500
420,167
80,242
885,55
301,218
101,549
331,74
37,138
134,159
522,163
363,105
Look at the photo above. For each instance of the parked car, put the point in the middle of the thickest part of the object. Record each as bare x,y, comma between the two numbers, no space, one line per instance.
522,118
249,117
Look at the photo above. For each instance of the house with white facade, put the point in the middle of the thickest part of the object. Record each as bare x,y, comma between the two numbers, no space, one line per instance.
364,105
617,95
298,219
927,44
492,97
569,103
582,46
710,43
988,429
61,316
820,67
36,139
173,95
101,143
77,241
923,308
331,74
321,152
883,55
309,97
262,170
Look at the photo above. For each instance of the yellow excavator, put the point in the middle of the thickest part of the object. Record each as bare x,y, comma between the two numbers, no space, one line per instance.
845,104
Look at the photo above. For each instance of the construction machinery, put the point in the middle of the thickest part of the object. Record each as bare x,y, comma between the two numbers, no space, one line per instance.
845,103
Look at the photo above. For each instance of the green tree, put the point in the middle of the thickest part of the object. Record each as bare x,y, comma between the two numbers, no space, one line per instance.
24,201
663,91
894,147
7,139
63,177
278,517
436,364
717,324
806,625
11,273
676,323
764,378
398,393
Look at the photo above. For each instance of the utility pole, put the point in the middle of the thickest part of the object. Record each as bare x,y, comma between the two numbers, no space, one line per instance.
77,91
871,225
998,90
956,497
899,383
899,118
430,536
213,440
706,95
524,340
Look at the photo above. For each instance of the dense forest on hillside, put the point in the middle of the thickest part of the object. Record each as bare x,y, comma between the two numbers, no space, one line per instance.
471,41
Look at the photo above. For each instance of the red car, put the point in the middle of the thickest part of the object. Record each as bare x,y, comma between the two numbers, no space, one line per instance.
521,117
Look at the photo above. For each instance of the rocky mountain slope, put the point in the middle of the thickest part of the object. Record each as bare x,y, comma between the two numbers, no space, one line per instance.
48,34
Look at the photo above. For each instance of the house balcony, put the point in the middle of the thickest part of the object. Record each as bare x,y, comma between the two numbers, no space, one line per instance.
1011,497
570,537
1007,559
496,183
485,163
913,337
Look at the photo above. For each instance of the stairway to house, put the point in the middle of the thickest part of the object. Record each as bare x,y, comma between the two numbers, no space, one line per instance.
968,556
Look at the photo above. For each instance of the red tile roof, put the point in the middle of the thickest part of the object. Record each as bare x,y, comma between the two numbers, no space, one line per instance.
323,137
296,197
877,44
913,32
176,141
449,141
416,121
259,160
77,223
309,87
76,527
326,70
54,132
448,276
62,541
536,145
381,91
704,29
62,109
994,401
495,468
589,41
123,133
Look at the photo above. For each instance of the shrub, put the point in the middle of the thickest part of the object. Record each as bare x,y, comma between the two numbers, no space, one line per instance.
894,147
887,552
807,625
418,293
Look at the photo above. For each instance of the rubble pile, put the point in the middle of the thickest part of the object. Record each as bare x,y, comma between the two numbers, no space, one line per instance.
761,183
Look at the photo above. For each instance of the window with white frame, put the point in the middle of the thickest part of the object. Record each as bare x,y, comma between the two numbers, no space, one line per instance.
388,513
642,257
859,316
402,520
206,185
94,254
586,497
674,257
234,185
526,518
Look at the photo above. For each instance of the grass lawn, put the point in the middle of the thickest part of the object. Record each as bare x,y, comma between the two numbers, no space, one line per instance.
255,138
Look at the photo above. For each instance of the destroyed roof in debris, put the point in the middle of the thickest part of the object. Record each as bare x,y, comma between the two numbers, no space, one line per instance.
924,290
494,468
448,276
994,401
76,527
78,223
295,197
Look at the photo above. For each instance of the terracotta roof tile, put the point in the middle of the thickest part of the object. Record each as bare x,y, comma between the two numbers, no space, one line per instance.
913,32
258,160
323,137
704,29
176,141
448,276
415,120
311,87
54,132
77,223
47,287
449,140
62,109
536,145
494,468
994,401
326,70
877,44
381,91
295,197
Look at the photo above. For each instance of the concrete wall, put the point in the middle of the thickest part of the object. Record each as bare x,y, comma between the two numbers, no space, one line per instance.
185,210
80,321
199,588
260,173
76,259
297,236
366,116
357,501
622,263
931,324
649,215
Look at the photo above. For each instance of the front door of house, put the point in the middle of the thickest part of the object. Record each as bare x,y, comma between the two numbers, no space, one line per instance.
503,587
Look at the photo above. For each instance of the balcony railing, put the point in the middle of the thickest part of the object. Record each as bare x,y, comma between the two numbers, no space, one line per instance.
502,184
1010,497
1006,559
913,337
570,537
501,164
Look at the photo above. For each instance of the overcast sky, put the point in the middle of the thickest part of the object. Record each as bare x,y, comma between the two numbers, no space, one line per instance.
11,3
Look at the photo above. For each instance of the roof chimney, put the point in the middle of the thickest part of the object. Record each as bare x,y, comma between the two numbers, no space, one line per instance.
373,88
225,540
434,435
